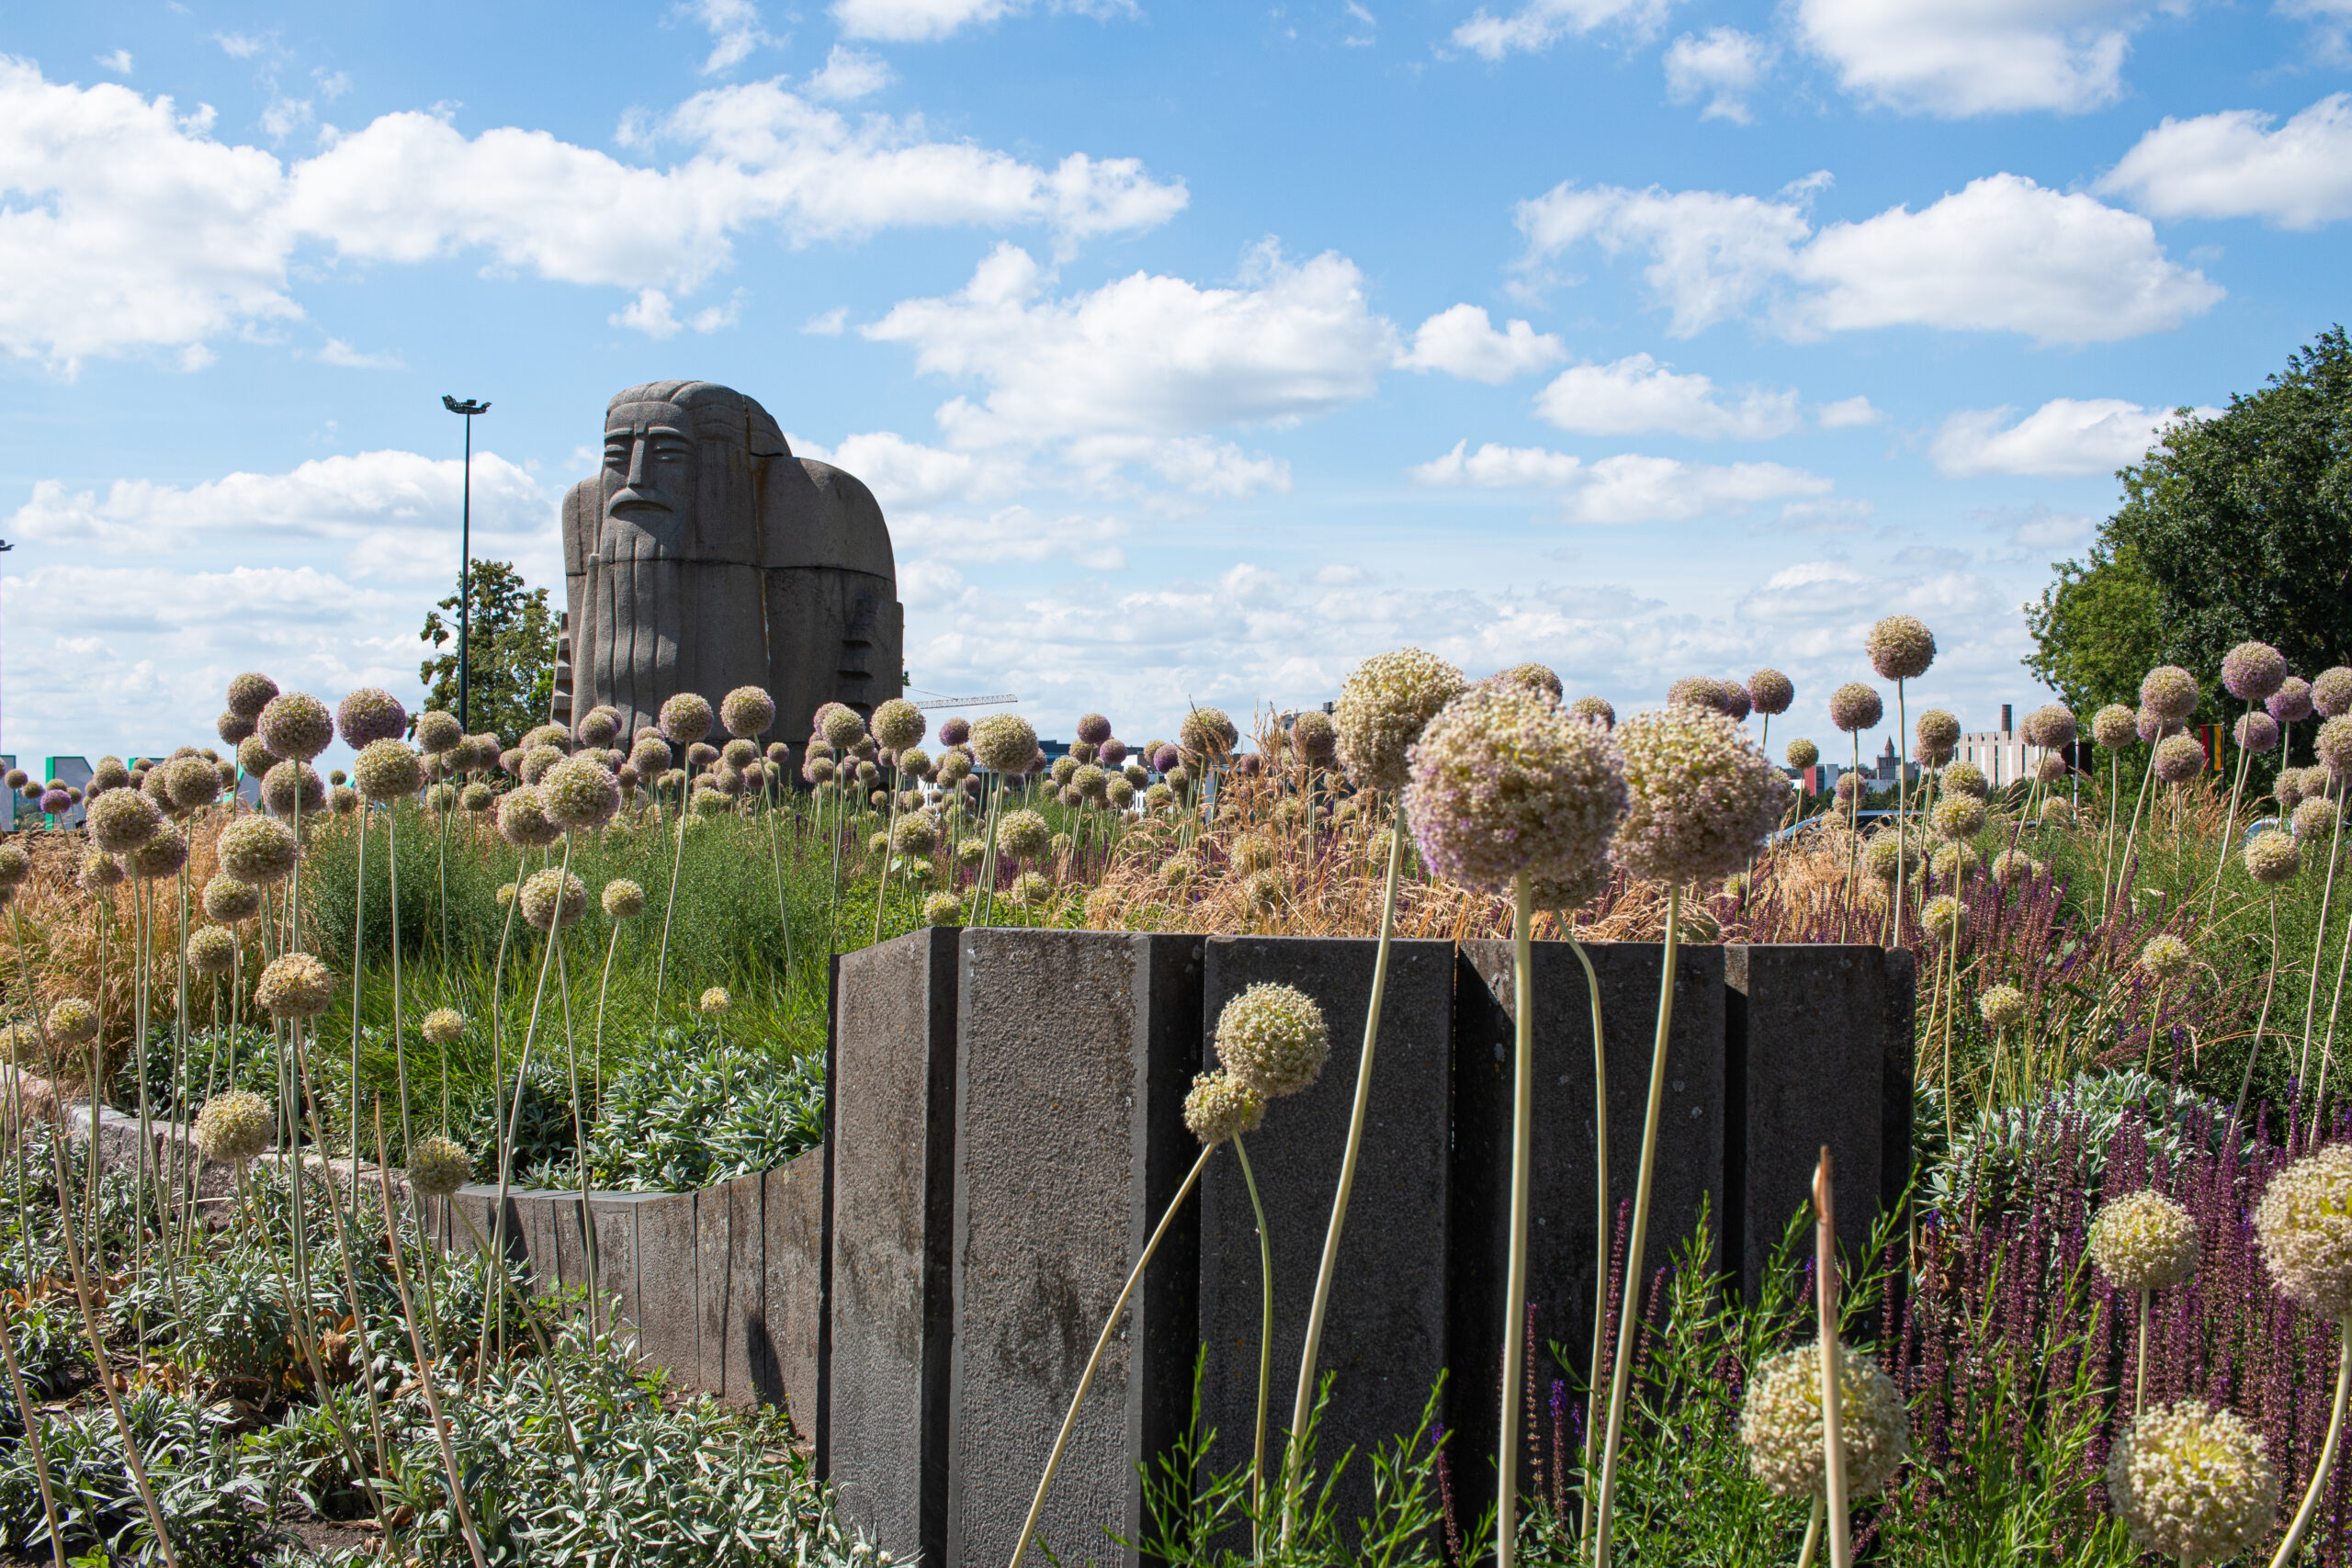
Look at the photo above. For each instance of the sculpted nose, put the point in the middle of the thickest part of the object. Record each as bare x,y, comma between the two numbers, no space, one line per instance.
637,459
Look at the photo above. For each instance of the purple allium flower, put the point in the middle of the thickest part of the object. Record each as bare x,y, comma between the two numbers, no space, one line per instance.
2115,727
1596,709
1249,764
2170,693
2256,731
1770,692
2332,692
2179,758
368,714
1166,758
2153,727
1854,707
1385,705
1504,782
955,731
1937,733
2291,703
1900,648
232,726
1093,729
249,694
2252,670
1700,796
685,718
1114,752
296,725
1732,701
598,726
2052,727
2334,745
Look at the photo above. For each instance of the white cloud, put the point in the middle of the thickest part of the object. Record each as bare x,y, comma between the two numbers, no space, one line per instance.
907,474
652,313
1145,355
1723,67
1627,488
1013,534
2002,254
241,46
850,73
337,352
1637,394
1846,414
1462,341
2232,165
1970,57
119,63
925,21
2064,437
125,224
827,324
734,28
1538,24
1193,463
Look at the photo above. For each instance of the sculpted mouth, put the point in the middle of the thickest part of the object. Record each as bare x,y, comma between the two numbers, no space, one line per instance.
626,500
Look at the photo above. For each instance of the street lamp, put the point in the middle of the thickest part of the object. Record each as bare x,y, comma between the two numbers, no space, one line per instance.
465,550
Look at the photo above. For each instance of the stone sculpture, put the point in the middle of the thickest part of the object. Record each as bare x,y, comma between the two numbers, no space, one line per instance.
704,557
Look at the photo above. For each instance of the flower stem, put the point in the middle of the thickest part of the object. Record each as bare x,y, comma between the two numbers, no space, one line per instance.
1833,1434
2303,1514
1600,1225
1265,1359
1522,1135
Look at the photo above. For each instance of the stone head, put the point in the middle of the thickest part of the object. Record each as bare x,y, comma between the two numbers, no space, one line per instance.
680,467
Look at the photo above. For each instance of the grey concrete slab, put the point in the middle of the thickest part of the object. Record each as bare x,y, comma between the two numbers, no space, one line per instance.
669,1323
1074,1050
892,1141
1385,1335
714,1283
793,1304
1563,1215
534,1212
615,1222
746,1310
1819,1035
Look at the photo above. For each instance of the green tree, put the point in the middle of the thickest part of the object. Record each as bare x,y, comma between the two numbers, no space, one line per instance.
2237,524
509,668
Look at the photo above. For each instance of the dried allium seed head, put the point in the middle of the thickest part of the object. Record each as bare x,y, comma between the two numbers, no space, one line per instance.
1219,1108
552,898
441,798
1700,796
251,693
1063,767
211,950
1315,737
1159,797
1503,782
122,819
1596,709
370,715
71,1021
1900,648
1090,782
2144,1242
1540,680
1801,753
2170,693
2179,758
2304,1225
739,754
2001,1006
2052,726
1780,1424
1384,707
899,724
710,803
2192,1483
580,793
685,718
438,1166
2165,956
1955,862
444,1026
2014,865
2291,703
235,1126
2051,769
1272,1039
841,725
1850,787
1004,742
1854,707
1121,793
2115,727
2256,731
2253,670
296,985
1770,692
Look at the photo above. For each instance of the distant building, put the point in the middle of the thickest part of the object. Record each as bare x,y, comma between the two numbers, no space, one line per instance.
2000,754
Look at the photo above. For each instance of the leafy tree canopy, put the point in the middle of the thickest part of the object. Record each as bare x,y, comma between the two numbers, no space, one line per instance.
2233,527
510,673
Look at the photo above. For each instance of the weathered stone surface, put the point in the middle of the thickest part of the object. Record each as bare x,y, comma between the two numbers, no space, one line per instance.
1074,1050
615,1219
893,1080
1385,1335
1563,1212
1820,1052
788,1344
669,1311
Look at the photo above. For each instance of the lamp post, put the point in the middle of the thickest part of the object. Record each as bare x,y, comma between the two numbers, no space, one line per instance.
465,548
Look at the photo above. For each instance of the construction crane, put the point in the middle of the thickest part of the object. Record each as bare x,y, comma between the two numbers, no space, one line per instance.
1000,699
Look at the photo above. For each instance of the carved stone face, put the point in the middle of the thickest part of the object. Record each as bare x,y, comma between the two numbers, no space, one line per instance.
649,476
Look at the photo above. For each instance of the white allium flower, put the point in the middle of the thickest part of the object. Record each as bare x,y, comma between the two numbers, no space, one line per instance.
1383,709
1272,1039
2304,1227
1220,1108
2193,1484
1780,1421
2144,1242
235,1126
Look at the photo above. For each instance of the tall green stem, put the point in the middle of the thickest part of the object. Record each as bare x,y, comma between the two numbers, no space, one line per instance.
1265,1356
1601,1230
1833,1434
1902,812
1523,1136
2305,1514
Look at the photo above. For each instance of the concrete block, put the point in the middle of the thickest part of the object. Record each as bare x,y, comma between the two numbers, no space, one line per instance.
787,1343
893,1081
669,1329
613,1216
714,1281
536,1210
1385,1335
1820,1052
1074,1050
746,1308
1563,1209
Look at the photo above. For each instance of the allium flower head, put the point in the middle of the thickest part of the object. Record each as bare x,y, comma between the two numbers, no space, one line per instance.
1093,729
1091,783
1965,778
1023,835
1219,1108
1889,851
1959,816
579,793
2052,727
552,898
192,783
2001,1006
744,711
211,950
1802,753
523,819
2057,811
1700,796
229,898
739,753
943,909
2286,789
2115,727
685,718
444,1026
2014,865
1780,1424
2179,757
296,725
477,797
1384,705
623,900
370,715
2291,703
598,726
1854,707
2170,693
1706,692
2144,1242
2256,731
2334,745
2332,692
438,1166
1208,732
916,835
1273,1040
2253,670
1770,692
899,724
1031,889
1004,742
2317,818
2304,1227
841,725
71,1021
2151,727
955,731
293,786
256,850
250,692
1900,648
1113,752
386,770
98,872
296,985
236,1125
2192,1483
1943,917
1937,734
1595,709
122,819
716,1001
160,857
2165,956
1504,782
56,802
1954,863
1064,766
1120,793
233,727
15,865
1539,679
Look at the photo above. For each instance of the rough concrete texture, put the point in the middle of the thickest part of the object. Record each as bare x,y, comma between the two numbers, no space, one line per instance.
1812,1059
786,1367
1384,1337
893,1080
1562,1209
1074,1050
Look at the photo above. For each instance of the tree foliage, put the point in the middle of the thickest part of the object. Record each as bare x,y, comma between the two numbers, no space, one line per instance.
2234,526
509,674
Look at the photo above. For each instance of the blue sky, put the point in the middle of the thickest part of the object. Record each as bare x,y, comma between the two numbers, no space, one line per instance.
1194,352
